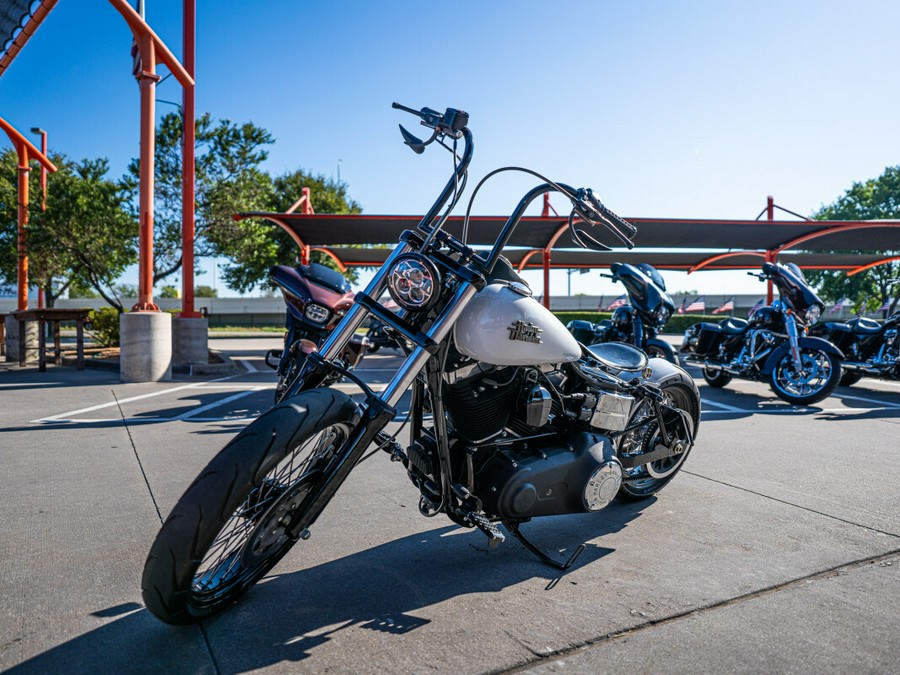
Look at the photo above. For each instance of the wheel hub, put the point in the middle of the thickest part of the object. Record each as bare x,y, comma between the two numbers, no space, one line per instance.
276,525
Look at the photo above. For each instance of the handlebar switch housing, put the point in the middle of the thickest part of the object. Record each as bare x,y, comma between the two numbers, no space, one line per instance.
455,120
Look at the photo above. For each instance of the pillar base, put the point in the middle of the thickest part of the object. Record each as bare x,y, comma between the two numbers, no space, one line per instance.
146,346
190,343
12,340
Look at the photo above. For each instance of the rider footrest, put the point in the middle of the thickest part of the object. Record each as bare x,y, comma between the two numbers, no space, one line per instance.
494,535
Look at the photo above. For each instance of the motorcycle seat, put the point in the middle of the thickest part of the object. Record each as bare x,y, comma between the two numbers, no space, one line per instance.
864,326
733,325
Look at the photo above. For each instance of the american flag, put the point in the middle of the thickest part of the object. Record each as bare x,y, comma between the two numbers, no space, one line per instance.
838,305
698,305
759,303
618,302
727,306
885,307
681,308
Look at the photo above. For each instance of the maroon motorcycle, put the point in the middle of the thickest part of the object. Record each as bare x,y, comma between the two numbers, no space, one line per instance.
317,297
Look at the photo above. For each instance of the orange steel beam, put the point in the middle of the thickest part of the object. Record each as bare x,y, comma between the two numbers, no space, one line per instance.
527,257
280,223
332,255
188,165
152,49
857,270
721,256
26,152
27,31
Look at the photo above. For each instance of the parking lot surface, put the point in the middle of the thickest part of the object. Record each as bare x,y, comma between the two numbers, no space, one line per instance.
776,549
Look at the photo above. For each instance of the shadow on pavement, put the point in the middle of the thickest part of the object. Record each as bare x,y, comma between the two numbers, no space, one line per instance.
286,616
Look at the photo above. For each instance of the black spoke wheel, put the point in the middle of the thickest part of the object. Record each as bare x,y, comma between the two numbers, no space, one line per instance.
247,508
815,379
646,480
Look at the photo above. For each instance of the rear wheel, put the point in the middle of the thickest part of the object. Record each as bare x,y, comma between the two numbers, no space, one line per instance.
815,379
716,378
653,351
849,378
246,509
646,480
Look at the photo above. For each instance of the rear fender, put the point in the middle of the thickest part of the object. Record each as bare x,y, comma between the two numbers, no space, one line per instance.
665,373
803,342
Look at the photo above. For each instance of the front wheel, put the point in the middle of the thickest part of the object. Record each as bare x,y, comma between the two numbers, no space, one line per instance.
246,509
814,380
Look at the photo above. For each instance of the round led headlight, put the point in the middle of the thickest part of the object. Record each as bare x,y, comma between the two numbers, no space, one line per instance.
316,313
813,314
414,282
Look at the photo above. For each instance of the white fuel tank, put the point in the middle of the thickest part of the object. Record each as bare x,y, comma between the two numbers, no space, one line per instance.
506,328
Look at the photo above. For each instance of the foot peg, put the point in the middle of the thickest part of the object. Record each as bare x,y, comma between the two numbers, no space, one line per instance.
494,535
513,527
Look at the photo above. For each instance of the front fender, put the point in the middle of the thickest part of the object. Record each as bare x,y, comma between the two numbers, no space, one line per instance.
664,347
805,341
667,373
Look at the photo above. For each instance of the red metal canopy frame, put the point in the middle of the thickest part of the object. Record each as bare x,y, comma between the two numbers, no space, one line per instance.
755,241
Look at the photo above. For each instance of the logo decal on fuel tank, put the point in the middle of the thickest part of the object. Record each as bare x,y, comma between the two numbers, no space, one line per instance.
526,332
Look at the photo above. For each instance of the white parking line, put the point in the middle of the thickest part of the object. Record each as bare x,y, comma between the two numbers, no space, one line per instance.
725,407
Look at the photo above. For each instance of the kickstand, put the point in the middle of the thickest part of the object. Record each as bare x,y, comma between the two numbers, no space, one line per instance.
513,527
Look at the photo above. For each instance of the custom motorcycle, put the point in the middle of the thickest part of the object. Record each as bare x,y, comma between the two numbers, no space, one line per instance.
772,345
510,417
871,347
315,297
639,322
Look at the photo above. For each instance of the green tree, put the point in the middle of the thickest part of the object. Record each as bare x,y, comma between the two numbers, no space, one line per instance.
84,237
255,245
228,180
169,292
877,198
205,292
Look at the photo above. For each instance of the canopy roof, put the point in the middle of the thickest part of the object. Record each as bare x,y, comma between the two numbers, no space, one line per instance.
697,244
18,21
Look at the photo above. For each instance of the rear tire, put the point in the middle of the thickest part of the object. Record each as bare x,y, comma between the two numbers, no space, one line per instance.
849,378
645,481
233,523
716,378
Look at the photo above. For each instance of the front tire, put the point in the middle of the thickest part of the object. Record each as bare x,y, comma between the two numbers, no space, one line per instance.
817,377
238,517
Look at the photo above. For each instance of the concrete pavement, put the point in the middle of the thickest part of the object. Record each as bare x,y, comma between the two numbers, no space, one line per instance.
775,550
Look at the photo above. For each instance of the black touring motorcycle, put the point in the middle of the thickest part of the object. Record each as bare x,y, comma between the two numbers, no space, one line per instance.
638,322
510,417
772,345
872,347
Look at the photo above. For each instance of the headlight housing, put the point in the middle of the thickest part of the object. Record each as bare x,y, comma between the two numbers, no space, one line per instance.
414,282
316,313
662,315
813,314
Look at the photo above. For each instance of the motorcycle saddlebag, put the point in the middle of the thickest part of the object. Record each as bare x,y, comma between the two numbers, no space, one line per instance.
701,338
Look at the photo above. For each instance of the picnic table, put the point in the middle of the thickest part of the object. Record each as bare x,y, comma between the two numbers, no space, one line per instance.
54,316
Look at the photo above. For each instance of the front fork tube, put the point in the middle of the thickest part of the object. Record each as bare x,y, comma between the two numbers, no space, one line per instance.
379,410
794,341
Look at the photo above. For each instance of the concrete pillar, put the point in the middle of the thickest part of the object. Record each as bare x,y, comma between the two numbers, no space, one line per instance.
190,346
146,346
12,340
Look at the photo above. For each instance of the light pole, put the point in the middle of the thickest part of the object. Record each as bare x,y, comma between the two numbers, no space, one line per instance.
43,135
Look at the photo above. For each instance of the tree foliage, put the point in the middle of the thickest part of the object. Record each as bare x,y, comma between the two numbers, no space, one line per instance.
255,245
228,179
85,236
877,198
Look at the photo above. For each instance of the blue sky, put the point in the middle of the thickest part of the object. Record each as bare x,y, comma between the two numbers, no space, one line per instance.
670,109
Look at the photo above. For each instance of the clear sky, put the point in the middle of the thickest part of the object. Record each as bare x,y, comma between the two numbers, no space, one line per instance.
669,109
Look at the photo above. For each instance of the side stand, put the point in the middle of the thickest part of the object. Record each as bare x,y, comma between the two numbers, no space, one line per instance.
513,527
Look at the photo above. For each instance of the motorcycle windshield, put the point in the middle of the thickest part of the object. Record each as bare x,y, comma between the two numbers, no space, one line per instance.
646,295
792,287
